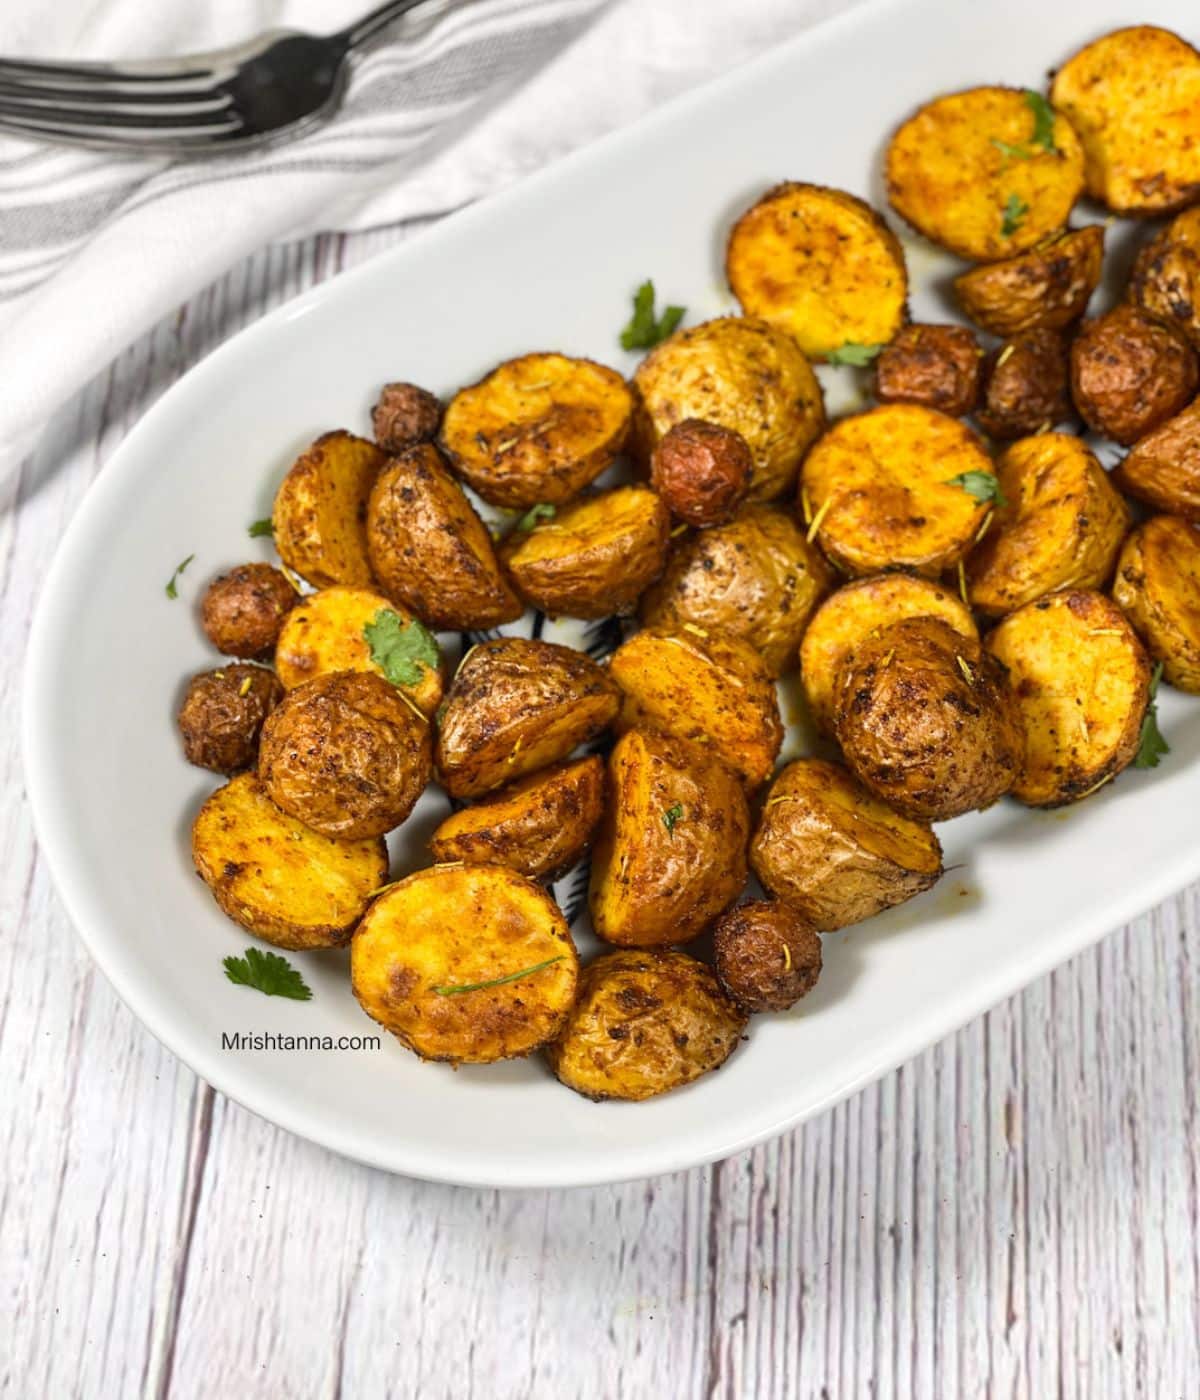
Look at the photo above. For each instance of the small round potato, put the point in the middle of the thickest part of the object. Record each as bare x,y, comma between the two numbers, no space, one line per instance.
243,610
321,507
702,471
766,956
644,1023
1025,386
1048,287
346,754
222,716
1130,373
1166,276
1163,468
937,366
1158,588
405,414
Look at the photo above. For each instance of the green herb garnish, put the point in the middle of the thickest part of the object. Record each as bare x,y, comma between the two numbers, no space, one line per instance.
457,989
542,511
645,329
982,486
1011,152
1014,215
853,354
259,528
1043,120
1151,744
172,585
403,651
671,816
267,973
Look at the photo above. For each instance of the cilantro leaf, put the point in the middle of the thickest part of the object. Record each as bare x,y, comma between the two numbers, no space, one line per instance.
1151,745
456,989
1010,152
172,583
645,329
1013,216
671,816
853,354
259,528
267,973
982,486
542,511
403,651
1043,120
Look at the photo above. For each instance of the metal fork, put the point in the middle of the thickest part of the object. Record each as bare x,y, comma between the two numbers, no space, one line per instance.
200,105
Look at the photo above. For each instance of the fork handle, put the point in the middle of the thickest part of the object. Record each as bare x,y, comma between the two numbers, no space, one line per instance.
359,32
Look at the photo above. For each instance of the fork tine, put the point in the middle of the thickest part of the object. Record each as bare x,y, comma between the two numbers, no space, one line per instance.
147,100
136,130
62,76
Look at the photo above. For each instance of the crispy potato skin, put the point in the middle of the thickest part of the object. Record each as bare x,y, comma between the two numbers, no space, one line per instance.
740,373
1165,281
429,549
1158,589
1062,527
1130,373
951,183
346,754
1134,98
244,609
320,510
516,706
644,1023
454,926
937,366
1025,386
278,878
756,578
705,687
539,825
925,722
821,265
1048,287
537,429
766,957
405,414
660,879
1163,468
594,557
222,715
1080,682
702,471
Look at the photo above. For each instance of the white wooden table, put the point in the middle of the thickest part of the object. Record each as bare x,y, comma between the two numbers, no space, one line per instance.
1016,1213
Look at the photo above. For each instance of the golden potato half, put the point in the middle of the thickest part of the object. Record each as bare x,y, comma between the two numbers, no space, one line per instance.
1048,287
1158,588
1166,275
537,429
278,878
820,264
320,510
1163,468
466,963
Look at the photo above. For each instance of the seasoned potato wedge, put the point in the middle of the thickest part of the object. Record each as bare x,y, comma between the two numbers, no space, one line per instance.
278,878
539,825
705,687
537,429
430,551
320,511
820,264
766,956
644,1023
1166,276
950,176
740,373
1163,468
1158,588
937,366
516,706
880,489
1062,526
427,943
1130,373
671,850
1046,288
836,853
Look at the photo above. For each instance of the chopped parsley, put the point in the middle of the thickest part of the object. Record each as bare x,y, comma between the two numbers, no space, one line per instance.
1043,120
542,511
645,329
1151,745
267,973
853,354
982,486
671,817
1013,216
173,582
258,528
403,651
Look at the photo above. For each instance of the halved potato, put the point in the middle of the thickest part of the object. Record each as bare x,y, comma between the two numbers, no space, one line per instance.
1158,588
1048,287
537,429
466,963
1166,275
1163,468
320,510
1080,682
820,264
278,878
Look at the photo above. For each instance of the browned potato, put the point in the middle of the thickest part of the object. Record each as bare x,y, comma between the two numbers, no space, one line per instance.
465,963
222,715
539,825
1048,287
671,851
880,489
592,558
969,172
537,429
937,366
430,551
405,414
739,373
1163,468
835,853
1158,588
755,577
1080,683
702,471
1061,527
516,706
1166,276
821,265
1130,373
277,877
703,686
644,1023
1134,98
346,754
320,511
925,722
1025,386
244,609
766,957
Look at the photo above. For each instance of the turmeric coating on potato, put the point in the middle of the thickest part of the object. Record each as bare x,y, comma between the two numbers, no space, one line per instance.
320,511
1163,468
1047,287
1157,587
1165,281
766,956
936,366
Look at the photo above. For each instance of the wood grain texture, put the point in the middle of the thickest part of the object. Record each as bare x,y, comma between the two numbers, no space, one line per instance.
1015,1213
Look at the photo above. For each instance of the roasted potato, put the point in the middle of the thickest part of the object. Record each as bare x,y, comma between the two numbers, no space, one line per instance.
1163,468
539,825
755,577
705,687
740,373
404,415
537,429
671,851
702,471
222,716
1134,98
277,877
320,510
937,366
836,854
765,955
1061,527
1158,589
971,172
430,551
1046,288
1130,373
881,491
243,610
644,1023
347,754
1166,276
1080,682
592,558
925,722
821,265
516,706
465,963
1025,386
